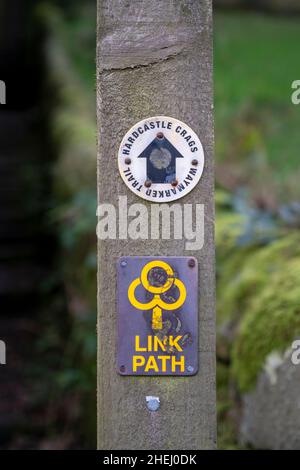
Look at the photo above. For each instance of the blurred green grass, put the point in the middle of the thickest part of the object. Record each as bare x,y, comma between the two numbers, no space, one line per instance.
256,61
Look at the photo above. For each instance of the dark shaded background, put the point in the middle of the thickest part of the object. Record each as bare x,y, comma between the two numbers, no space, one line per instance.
44,394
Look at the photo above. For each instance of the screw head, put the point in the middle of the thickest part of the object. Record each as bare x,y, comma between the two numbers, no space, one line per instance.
192,263
190,369
128,161
123,264
153,403
122,369
148,183
160,135
174,183
195,162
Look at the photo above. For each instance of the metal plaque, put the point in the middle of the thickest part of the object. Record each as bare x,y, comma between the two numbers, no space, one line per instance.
161,159
157,316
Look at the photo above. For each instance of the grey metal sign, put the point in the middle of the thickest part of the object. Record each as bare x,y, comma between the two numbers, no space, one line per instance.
157,316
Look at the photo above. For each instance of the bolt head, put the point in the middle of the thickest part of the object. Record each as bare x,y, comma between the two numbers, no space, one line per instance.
160,135
123,263
122,369
174,183
153,403
195,162
192,263
148,183
128,161
190,368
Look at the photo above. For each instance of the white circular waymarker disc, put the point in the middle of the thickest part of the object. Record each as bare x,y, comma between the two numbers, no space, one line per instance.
161,159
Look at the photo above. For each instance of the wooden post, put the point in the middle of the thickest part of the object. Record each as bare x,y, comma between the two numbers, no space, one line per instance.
154,58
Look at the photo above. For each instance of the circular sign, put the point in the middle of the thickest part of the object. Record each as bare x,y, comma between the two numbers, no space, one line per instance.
161,159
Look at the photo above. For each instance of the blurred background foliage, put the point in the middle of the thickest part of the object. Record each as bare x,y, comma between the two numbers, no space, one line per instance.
258,212
256,48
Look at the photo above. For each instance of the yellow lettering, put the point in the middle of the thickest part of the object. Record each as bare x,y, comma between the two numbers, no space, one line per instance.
151,364
158,344
178,363
158,364
174,342
163,360
137,361
137,345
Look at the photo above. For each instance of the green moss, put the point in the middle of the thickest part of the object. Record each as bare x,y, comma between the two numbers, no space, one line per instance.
271,322
249,270
229,227
227,435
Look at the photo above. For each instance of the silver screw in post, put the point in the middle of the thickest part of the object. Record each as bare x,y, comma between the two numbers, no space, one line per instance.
153,403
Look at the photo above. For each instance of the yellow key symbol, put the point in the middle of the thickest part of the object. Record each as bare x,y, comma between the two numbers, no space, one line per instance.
157,304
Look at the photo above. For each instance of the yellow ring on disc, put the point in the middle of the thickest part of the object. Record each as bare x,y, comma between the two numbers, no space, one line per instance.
157,264
136,303
179,302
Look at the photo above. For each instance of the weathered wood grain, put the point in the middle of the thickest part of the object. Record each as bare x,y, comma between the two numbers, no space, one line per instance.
154,58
